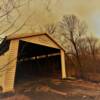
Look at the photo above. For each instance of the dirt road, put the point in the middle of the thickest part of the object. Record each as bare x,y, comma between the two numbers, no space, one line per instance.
54,89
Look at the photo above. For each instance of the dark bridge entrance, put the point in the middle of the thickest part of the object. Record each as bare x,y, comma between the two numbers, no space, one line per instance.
37,61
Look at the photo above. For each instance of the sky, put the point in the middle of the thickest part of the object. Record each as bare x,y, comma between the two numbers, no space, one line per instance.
51,11
87,10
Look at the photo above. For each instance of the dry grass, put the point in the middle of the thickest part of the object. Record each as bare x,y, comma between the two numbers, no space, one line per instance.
90,69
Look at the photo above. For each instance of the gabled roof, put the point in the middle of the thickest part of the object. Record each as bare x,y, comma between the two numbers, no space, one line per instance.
25,35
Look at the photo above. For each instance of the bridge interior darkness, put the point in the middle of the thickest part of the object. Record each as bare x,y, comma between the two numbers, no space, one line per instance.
37,61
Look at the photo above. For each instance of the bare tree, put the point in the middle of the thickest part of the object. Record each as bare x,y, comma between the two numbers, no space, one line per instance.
93,45
50,28
83,47
10,13
73,30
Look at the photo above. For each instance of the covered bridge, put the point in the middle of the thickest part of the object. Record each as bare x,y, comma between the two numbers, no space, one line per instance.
22,48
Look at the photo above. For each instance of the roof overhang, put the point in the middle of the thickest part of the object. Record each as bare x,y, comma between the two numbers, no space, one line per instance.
26,35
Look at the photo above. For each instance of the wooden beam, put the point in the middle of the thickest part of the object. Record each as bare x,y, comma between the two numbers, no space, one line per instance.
63,68
11,68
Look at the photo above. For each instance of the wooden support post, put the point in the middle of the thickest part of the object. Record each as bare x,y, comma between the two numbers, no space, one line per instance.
11,68
63,68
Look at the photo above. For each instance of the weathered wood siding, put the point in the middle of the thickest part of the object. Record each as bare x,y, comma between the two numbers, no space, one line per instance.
3,67
42,40
11,69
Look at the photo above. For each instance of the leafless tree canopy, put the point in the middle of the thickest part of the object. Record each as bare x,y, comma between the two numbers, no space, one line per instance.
9,15
93,46
50,28
83,48
73,30
72,27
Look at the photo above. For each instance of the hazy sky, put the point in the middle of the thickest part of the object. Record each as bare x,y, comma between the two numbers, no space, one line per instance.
88,10
51,11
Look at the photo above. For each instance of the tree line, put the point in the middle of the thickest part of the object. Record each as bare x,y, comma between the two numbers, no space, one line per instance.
82,48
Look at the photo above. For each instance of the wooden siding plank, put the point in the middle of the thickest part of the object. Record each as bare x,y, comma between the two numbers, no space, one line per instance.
3,62
42,40
10,73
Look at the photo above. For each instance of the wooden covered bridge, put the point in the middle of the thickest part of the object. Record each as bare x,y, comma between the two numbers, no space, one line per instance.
25,47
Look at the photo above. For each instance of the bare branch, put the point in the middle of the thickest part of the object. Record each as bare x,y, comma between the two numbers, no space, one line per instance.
74,30
50,28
